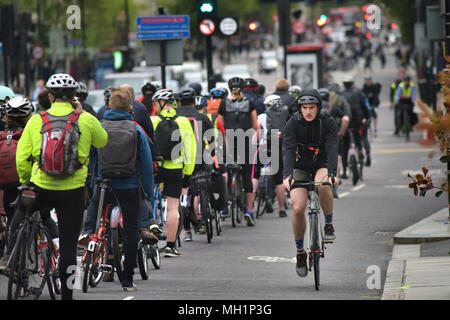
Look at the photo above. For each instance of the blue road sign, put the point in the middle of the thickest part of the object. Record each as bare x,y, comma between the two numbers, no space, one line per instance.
1,47
162,27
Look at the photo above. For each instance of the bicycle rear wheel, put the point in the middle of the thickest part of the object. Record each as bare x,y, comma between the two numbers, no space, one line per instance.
117,252
353,165
240,201
406,123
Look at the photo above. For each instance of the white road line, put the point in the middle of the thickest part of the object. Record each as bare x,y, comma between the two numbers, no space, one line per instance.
359,187
129,298
343,195
400,186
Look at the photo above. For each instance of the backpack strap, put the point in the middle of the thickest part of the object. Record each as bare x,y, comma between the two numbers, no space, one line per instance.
46,124
9,136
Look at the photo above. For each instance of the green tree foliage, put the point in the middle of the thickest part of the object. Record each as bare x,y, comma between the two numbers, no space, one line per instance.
404,12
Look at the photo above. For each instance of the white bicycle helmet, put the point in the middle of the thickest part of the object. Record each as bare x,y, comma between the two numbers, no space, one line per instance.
19,107
6,93
157,84
273,100
62,85
164,94
82,88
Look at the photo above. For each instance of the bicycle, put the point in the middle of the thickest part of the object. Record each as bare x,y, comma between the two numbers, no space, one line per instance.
29,263
262,191
199,183
316,243
236,193
95,257
356,158
405,121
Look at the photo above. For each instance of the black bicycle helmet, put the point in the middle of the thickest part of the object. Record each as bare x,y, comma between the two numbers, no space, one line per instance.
148,89
200,102
324,94
186,94
197,88
236,82
309,97
251,83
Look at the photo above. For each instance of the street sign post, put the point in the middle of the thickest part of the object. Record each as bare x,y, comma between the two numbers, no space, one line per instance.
163,28
228,26
207,27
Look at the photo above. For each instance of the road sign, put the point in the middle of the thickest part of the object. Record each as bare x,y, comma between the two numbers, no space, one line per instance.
162,27
1,47
228,26
38,52
299,27
207,27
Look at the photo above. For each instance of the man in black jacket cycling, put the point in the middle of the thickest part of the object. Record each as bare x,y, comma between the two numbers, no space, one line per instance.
310,147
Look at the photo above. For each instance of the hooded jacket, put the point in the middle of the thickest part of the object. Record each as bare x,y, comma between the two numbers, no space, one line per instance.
299,135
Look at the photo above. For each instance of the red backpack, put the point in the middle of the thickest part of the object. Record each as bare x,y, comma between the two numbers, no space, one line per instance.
59,147
8,145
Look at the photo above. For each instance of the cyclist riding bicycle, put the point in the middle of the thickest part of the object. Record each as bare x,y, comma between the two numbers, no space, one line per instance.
405,98
176,163
217,95
201,124
310,147
360,117
239,113
57,187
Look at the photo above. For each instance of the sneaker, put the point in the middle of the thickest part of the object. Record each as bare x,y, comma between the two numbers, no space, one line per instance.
128,286
187,237
329,235
249,218
282,214
300,267
108,276
4,262
224,213
83,240
368,162
269,208
169,252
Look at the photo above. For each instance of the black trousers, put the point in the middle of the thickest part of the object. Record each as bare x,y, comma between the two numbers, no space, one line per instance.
69,209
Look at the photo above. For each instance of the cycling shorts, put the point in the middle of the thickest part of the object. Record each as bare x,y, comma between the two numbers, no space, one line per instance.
172,179
305,175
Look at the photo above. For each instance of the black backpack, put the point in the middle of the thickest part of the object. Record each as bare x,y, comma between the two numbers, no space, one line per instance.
118,159
163,136
277,118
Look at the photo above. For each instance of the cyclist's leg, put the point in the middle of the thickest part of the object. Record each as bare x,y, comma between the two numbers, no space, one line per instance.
173,183
129,203
366,144
9,196
69,210
344,148
92,211
326,202
281,194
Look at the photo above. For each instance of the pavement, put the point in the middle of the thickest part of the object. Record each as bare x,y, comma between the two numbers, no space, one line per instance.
420,264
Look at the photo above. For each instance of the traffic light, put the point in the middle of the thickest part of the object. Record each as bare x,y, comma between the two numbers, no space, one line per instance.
118,59
252,26
322,21
206,9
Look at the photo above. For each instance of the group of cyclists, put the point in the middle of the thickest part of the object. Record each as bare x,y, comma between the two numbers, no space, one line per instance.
62,146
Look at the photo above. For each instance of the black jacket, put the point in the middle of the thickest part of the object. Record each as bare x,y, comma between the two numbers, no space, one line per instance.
299,134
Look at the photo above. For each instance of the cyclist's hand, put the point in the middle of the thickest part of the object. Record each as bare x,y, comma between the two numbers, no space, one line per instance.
336,181
288,182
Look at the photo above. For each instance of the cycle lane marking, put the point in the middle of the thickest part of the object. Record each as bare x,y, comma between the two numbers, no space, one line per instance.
129,298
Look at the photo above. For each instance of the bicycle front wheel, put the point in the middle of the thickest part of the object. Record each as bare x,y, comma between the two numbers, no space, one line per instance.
315,250
99,260
87,270
155,256
142,260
